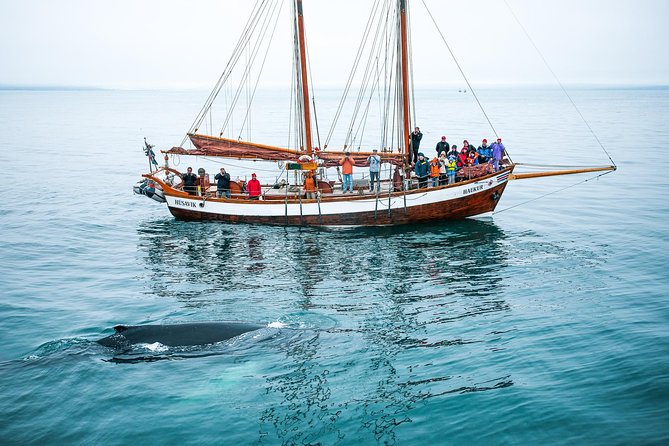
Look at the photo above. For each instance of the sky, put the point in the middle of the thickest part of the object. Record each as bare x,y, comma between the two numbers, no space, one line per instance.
147,44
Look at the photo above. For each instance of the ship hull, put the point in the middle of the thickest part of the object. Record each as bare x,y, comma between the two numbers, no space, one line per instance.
473,198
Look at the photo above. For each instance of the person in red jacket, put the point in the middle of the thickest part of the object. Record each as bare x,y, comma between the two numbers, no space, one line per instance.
462,158
253,188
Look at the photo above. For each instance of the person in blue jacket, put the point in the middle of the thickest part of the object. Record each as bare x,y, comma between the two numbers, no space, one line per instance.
485,152
422,170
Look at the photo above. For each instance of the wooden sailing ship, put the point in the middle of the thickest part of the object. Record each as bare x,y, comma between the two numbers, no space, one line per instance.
398,202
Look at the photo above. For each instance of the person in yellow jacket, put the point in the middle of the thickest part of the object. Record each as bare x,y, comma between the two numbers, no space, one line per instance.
434,171
450,169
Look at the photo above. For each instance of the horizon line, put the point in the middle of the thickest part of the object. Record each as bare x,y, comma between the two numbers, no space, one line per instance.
57,87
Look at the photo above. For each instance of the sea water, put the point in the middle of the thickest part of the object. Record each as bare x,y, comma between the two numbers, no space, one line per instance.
548,324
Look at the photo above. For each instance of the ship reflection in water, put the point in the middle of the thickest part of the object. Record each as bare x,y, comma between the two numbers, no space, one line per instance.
395,318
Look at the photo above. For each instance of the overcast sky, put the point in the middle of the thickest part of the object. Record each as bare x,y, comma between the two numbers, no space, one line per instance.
175,43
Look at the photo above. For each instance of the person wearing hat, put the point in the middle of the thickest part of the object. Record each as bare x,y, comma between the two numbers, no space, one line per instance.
190,181
416,136
434,172
347,164
485,152
462,157
442,146
450,169
253,188
374,161
497,153
422,170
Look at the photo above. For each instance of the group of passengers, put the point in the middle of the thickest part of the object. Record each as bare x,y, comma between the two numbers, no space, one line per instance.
442,169
199,184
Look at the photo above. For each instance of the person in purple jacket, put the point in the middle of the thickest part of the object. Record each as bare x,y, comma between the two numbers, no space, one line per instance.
497,153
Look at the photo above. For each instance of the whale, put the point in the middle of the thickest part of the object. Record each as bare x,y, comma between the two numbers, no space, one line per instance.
176,335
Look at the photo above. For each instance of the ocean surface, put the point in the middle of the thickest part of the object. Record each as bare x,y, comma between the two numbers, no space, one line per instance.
548,324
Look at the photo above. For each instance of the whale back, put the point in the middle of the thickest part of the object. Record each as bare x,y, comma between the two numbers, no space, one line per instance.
177,335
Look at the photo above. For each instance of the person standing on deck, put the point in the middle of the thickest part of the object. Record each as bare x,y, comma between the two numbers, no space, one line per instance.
190,181
416,136
465,146
497,153
443,169
222,184
442,146
310,186
454,151
202,182
462,158
398,179
485,152
422,170
434,171
253,188
450,169
346,164
374,161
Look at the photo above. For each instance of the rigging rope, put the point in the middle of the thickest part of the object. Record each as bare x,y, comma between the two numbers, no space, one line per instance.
313,96
559,83
369,80
247,72
411,77
349,82
350,135
262,66
461,71
292,110
250,25
554,192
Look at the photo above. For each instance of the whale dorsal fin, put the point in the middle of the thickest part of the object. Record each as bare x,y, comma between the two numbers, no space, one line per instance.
120,328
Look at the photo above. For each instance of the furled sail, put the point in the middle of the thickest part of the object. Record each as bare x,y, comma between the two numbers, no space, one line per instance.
230,148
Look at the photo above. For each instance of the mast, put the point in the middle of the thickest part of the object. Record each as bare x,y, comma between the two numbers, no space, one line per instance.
405,76
303,70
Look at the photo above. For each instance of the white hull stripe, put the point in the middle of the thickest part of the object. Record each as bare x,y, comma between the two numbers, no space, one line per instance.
280,208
